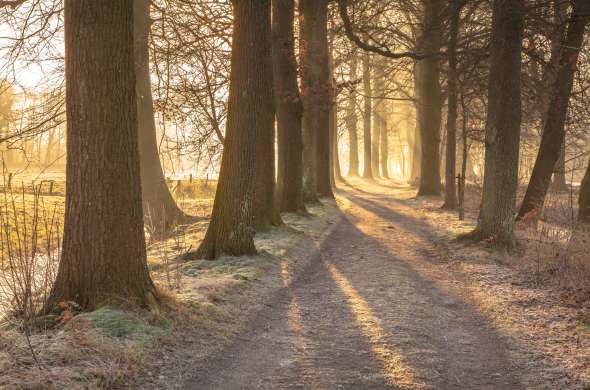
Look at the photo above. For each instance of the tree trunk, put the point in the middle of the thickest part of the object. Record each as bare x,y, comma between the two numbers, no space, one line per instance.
429,99
384,144
336,172
376,140
502,138
367,158
264,209
378,116
324,101
451,144
416,150
308,20
159,207
249,116
553,136
578,244
289,109
584,200
559,179
103,256
352,121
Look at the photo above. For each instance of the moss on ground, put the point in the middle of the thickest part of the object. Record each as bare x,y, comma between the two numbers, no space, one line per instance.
117,323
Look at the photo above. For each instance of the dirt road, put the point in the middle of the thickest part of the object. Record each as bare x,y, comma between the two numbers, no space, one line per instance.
372,311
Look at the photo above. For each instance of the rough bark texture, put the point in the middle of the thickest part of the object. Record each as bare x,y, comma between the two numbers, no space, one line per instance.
159,207
309,81
553,136
429,99
104,255
289,109
451,144
367,91
323,102
264,210
352,121
502,138
231,228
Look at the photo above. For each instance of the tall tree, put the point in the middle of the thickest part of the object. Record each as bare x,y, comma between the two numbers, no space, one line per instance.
451,144
367,91
231,228
289,109
104,255
308,15
553,136
352,119
384,147
159,207
502,135
265,212
429,97
379,91
324,101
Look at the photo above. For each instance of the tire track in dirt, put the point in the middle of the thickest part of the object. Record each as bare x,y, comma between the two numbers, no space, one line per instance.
366,314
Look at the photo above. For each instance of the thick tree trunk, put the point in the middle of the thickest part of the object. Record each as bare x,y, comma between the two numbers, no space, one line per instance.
250,115
553,136
559,180
289,109
324,102
265,212
159,207
352,121
429,99
104,257
451,144
502,138
367,158
314,75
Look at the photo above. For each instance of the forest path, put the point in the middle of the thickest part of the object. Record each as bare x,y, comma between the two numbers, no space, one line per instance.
375,310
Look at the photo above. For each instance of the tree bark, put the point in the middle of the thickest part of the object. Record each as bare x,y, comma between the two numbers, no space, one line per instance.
416,150
103,256
384,145
231,228
553,136
367,158
324,102
159,207
352,121
429,99
308,20
265,212
584,200
451,144
559,180
289,109
502,137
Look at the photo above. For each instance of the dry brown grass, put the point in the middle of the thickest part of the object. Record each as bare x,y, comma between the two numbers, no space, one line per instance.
202,304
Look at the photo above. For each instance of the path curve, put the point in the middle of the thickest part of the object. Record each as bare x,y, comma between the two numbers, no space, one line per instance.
371,312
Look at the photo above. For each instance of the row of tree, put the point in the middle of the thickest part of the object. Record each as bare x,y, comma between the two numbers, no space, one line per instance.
276,78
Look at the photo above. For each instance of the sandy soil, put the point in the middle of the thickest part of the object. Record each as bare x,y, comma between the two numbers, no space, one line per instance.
378,307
